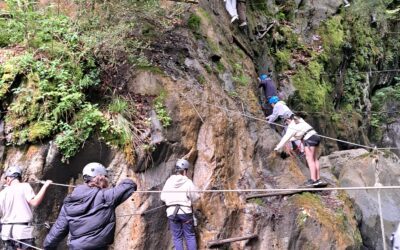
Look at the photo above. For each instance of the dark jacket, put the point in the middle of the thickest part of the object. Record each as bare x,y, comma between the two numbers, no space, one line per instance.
269,88
88,214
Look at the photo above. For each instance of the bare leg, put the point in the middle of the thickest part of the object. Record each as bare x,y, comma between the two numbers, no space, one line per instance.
310,161
316,162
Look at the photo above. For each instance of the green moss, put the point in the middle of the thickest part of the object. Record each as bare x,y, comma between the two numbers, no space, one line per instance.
194,22
312,206
8,73
40,130
283,58
242,80
311,92
208,68
201,79
257,201
219,66
332,35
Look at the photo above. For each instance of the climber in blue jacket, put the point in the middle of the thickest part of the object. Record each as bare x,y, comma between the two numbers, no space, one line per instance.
88,213
269,89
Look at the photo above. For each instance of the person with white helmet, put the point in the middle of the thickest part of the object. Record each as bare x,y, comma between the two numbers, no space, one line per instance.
298,129
179,205
16,200
88,213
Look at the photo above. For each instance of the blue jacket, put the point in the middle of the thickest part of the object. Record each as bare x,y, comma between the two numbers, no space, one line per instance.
269,88
88,214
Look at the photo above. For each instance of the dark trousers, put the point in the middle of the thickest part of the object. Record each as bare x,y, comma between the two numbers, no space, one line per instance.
12,245
181,226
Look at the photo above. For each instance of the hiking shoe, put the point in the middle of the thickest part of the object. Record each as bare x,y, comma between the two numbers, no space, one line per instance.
309,183
234,18
243,24
319,183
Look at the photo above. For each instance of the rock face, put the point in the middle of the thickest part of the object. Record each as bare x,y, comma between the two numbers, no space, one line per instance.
358,168
219,127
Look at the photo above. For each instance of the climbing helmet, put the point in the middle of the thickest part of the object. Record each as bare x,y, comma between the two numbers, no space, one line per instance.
274,99
13,172
182,164
287,115
263,77
93,169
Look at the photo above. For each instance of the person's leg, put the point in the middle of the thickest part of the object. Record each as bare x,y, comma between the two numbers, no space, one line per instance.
310,161
8,245
27,245
241,9
316,163
176,231
188,231
231,8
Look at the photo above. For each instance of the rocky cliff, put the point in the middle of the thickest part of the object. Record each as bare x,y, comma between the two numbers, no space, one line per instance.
188,80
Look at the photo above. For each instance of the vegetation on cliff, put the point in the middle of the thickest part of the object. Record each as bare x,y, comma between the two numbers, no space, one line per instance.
47,88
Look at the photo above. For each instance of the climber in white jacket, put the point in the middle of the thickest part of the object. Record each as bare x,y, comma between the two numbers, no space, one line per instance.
179,205
298,129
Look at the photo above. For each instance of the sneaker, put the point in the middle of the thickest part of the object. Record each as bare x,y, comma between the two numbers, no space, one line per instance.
234,18
319,183
309,183
243,24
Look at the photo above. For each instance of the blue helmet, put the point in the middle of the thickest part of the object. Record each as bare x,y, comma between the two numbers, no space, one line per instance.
274,99
263,77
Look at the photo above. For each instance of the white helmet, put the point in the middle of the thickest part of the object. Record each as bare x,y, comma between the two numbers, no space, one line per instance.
13,172
94,169
287,115
182,164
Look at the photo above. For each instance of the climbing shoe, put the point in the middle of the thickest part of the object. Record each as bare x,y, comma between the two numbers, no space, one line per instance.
309,183
319,183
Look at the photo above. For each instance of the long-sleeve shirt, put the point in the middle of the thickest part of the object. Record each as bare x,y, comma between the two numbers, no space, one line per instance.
269,87
279,109
184,198
296,131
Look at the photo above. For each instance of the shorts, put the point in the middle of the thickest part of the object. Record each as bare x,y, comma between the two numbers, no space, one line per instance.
313,141
11,245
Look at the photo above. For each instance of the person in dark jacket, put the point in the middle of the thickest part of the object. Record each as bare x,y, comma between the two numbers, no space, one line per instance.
88,213
269,89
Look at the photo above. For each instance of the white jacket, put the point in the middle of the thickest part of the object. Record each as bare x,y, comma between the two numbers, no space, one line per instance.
279,109
179,183
296,131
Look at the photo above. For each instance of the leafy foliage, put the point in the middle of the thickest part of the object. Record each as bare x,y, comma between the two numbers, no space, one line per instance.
161,111
53,75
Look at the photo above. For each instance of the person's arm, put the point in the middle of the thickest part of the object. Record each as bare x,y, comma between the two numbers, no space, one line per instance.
289,134
163,196
57,232
35,201
121,192
274,115
192,192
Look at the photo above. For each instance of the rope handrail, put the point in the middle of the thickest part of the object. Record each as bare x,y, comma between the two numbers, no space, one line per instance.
259,190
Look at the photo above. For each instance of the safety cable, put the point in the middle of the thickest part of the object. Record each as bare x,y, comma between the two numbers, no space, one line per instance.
280,125
261,190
